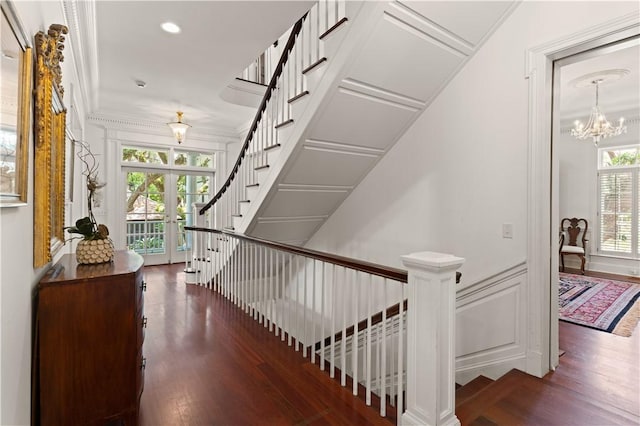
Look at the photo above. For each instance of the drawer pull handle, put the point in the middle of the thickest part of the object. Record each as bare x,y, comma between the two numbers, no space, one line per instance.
144,364
144,322
143,286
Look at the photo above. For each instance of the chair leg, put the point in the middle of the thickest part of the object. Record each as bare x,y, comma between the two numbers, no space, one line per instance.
582,266
562,260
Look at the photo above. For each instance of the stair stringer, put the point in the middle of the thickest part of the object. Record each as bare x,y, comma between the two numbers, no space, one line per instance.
338,48
355,114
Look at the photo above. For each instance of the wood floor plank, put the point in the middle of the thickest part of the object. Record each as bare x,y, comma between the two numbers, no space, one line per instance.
597,383
209,363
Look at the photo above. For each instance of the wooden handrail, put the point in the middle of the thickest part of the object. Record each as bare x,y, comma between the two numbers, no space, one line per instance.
358,265
263,106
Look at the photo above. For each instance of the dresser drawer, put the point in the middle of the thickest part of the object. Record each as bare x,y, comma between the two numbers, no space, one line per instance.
141,287
141,326
141,366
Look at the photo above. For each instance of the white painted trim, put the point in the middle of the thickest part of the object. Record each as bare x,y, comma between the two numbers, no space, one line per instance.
80,18
430,333
160,128
493,360
491,280
541,352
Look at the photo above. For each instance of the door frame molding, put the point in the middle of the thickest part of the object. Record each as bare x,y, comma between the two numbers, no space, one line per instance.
542,182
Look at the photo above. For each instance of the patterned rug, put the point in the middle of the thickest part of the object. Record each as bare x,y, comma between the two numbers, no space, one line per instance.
603,304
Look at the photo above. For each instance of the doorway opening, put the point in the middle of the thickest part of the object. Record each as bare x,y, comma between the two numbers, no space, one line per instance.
159,187
595,177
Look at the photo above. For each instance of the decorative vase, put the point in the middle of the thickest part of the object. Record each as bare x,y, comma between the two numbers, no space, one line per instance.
89,252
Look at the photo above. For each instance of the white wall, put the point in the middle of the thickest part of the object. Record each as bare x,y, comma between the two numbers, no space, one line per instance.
18,279
577,178
460,171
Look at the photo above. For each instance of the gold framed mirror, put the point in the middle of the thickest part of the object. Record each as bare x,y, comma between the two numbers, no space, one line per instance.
49,138
15,109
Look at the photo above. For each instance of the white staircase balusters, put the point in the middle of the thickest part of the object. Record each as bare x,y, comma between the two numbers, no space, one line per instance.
348,314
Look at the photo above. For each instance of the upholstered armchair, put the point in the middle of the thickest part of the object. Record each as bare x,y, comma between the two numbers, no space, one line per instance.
573,239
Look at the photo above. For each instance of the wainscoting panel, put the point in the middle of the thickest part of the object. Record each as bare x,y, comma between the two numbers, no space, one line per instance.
491,325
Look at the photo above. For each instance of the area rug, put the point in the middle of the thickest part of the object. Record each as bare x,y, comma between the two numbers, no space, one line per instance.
607,305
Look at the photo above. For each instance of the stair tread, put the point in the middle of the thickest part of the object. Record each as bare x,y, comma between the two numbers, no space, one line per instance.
333,28
270,147
298,96
470,389
314,65
284,123
472,408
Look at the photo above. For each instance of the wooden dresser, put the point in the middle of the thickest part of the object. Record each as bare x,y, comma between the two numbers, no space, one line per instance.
90,329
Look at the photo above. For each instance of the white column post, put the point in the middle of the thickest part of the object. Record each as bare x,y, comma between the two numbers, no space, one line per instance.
430,339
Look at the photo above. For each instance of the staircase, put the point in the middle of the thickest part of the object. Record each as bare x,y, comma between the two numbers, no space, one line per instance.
357,76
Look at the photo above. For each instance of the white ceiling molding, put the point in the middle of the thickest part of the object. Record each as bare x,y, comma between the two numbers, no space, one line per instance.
80,18
157,128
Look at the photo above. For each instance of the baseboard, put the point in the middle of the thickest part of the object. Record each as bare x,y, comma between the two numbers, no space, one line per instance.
606,264
493,370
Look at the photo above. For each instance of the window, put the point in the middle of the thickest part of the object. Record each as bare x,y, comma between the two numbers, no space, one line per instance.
193,159
619,201
145,156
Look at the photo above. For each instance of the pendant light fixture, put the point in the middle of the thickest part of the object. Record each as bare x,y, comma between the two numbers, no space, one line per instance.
179,128
598,127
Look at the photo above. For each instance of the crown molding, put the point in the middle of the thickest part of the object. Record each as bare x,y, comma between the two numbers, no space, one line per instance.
159,128
80,18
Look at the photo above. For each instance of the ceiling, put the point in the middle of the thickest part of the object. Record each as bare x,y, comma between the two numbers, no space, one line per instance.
186,71
616,97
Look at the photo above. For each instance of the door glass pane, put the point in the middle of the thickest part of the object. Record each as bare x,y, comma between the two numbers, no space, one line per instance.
146,212
191,189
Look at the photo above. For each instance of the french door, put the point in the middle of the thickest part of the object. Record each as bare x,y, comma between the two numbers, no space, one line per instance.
158,206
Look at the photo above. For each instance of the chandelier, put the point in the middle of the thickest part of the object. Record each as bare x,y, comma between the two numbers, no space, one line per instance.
598,127
179,128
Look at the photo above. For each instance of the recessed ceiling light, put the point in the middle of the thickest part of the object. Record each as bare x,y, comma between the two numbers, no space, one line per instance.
170,27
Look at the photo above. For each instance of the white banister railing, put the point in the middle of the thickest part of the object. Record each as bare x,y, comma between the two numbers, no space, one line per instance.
302,52
307,299
359,321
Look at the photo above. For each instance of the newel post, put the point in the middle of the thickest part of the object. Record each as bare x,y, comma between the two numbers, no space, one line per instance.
430,339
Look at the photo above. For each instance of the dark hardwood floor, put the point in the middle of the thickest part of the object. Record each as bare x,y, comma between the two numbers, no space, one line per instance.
597,383
210,364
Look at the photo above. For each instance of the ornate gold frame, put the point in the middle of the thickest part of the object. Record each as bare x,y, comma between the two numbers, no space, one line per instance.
49,136
25,66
